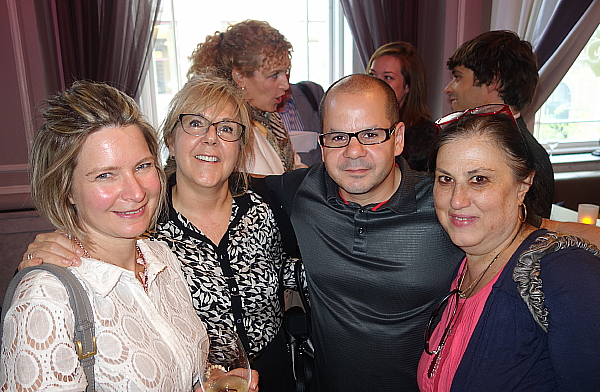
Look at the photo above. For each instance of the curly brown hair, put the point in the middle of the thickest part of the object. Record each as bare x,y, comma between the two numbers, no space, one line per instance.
245,46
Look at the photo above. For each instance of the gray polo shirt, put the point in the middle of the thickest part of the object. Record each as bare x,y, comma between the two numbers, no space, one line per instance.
374,273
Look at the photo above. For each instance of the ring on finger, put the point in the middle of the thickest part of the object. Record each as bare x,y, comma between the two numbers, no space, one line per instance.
30,255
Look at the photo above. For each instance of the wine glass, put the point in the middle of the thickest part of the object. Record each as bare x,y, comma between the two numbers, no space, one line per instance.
227,368
552,144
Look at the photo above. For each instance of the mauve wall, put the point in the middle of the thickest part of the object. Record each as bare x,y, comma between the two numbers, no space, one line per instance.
21,92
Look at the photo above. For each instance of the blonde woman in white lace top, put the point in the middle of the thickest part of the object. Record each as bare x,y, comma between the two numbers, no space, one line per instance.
95,176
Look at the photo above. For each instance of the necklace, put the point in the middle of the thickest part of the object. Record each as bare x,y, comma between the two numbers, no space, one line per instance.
469,290
139,259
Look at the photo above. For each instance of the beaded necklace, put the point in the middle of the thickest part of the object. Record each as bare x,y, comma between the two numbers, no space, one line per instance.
139,259
469,290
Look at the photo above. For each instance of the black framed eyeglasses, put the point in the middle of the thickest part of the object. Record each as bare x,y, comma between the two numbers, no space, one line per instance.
366,137
451,299
198,125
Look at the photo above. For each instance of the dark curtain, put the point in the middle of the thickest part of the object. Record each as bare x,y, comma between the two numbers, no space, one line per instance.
564,18
100,40
377,22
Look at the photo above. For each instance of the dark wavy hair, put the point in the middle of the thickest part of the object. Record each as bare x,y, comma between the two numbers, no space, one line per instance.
502,130
415,108
503,55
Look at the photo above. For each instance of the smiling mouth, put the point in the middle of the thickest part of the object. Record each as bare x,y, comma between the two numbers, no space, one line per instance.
207,158
132,212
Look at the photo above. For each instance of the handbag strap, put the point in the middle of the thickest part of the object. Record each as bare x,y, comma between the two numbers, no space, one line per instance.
528,267
84,336
300,286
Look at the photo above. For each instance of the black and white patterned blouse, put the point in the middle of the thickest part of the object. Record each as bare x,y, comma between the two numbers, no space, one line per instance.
253,245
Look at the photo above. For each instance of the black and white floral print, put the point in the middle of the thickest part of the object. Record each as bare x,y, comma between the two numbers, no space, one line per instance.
255,253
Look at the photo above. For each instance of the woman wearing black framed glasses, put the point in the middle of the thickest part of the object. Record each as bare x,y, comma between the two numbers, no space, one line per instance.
499,328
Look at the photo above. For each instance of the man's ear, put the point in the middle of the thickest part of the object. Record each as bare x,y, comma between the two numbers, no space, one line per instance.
398,138
494,84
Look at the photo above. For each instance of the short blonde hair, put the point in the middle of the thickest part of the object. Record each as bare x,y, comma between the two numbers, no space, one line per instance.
70,117
205,91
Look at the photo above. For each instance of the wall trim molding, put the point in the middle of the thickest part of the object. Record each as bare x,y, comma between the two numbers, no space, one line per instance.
17,39
23,167
14,189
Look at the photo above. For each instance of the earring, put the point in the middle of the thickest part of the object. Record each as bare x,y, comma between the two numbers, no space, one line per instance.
523,215
243,88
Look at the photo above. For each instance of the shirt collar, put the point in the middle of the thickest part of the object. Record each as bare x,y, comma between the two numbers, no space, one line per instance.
103,277
403,201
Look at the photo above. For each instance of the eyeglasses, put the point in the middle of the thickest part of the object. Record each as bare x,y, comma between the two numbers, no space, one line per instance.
198,125
485,110
451,299
366,137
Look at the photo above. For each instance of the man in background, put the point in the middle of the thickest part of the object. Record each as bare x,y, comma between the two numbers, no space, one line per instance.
299,111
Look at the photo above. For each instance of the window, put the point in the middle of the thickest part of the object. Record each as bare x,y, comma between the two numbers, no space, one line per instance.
316,29
569,121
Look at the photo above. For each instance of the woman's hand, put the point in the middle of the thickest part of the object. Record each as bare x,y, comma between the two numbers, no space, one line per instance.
254,383
54,248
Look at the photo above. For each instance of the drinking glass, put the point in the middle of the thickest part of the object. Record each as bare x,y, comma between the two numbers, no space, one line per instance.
227,368
552,144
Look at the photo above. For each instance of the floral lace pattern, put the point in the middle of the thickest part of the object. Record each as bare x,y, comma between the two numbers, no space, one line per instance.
149,342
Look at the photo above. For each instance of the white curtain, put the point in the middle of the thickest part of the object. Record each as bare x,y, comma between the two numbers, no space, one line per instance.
559,63
523,17
529,19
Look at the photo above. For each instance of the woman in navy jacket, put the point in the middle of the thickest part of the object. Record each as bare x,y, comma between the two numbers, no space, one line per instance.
501,328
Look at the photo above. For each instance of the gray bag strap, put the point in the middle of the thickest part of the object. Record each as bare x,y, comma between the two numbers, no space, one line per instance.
84,337
527,270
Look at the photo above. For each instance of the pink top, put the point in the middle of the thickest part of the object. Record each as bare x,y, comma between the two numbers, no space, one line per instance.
468,313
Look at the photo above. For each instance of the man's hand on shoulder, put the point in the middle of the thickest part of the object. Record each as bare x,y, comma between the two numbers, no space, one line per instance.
589,232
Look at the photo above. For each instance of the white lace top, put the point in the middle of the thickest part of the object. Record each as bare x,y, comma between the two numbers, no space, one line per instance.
146,342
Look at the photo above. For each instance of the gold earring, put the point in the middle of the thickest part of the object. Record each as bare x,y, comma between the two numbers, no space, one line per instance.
523,216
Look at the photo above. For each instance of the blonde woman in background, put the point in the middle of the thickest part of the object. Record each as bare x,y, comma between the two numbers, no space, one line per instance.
400,66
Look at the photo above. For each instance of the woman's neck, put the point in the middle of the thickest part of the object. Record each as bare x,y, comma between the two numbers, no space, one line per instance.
481,268
199,200
209,209
117,251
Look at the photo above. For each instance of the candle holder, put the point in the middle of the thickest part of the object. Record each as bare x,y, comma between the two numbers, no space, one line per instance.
587,213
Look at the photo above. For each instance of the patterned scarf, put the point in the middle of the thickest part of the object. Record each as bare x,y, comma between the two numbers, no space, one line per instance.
276,135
